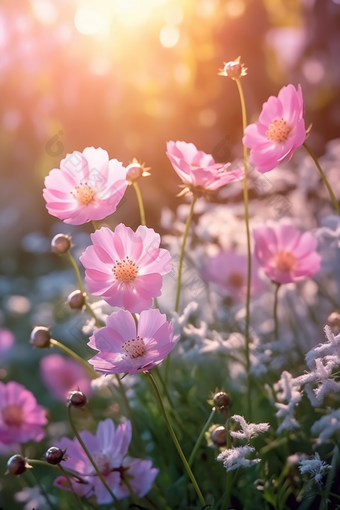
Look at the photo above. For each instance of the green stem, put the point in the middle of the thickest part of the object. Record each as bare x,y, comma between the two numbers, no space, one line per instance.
229,474
174,438
81,288
181,256
96,225
42,489
165,388
74,356
200,437
46,464
140,203
64,472
82,444
132,492
276,321
246,216
324,178
330,477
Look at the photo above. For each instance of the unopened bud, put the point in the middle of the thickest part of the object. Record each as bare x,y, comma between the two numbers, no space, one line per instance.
233,69
61,244
41,337
76,398
221,400
76,300
134,172
334,322
16,465
218,436
55,455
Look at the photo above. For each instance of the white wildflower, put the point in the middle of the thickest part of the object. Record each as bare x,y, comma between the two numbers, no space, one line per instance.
327,426
248,430
330,349
235,458
287,390
315,467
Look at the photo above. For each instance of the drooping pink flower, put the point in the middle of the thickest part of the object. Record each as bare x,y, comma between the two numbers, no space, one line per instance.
126,348
108,447
21,417
61,375
279,131
286,254
6,342
86,187
125,268
197,169
229,271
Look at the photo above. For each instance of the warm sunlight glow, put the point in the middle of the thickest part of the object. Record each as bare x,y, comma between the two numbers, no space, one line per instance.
90,21
169,36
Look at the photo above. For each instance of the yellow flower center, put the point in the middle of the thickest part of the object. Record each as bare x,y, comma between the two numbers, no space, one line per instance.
278,131
125,271
84,193
236,280
12,415
285,261
134,348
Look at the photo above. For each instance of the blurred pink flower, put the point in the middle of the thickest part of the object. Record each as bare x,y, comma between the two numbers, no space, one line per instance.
125,268
286,254
229,271
86,187
6,342
279,131
108,448
21,417
198,169
61,375
126,348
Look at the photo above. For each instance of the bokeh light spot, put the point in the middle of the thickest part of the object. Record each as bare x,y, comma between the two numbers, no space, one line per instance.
169,36
313,70
207,117
89,21
235,8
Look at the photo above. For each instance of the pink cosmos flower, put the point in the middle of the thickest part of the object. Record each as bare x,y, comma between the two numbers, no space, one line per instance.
61,375
198,169
229,271
279,131
125,268
6,342
126,348
286,254
21,418
108,448
86,187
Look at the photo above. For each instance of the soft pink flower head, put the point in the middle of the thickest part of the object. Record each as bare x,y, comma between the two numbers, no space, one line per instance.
86,187
279,131
142,477
61,375
21,417
286,254
198,169
126,348
6,342
125,268
108,447
229,271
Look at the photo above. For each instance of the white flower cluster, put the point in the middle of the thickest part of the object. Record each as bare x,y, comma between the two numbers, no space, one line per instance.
315,467
235,458
248,430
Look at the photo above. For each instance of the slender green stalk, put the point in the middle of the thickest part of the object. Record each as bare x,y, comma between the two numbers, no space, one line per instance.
82,444
229,474
38,462
96,225
181,256
330,478
165,388
132,492
174,438
200,437
276,320
79,502
74,356
140,203
81,288
42,488
246,216
324,178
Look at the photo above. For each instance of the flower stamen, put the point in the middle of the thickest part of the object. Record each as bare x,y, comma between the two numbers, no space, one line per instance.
125,271
84,193
278,131
285,261
134,348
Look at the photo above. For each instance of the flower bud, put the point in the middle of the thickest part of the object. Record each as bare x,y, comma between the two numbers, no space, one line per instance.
41,337
16,465
233,69
218,436
76,398
334,322
61,244
76,300
221,400
134,172
55,455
